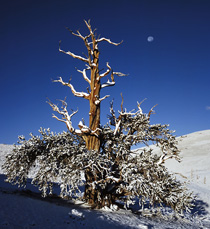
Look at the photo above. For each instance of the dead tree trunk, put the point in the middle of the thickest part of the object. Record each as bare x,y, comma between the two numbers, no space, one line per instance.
90,134
93,142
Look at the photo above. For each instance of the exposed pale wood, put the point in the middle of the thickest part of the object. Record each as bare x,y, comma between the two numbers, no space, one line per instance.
91,134
85,75
73,55
78,94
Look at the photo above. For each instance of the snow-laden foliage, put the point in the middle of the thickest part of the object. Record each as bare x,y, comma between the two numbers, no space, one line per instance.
142,173
116,174
51,158
53,154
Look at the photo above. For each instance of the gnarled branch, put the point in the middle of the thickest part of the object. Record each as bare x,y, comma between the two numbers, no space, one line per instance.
109,41
85,75
78,94
86,130
99,100
96,41
152,111
66,118
73,55
89,26
108,83
85,39
107,71
139,106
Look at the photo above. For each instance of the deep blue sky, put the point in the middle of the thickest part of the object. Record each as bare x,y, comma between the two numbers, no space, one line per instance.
173,71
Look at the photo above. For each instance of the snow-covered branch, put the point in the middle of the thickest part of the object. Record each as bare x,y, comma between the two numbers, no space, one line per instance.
85,75
130,113
164,158
139,106
108,83
107,71
86,130
117,126
99,100
66,118
74,55
78,94
108,40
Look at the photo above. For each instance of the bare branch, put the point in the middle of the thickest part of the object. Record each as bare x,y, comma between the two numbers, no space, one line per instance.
112,117
85,75
118,120
122,103
93,42
99,100
152,111
108,84
66,118
96,41
73,55
89,26
107,71
139,104
78,94
120,74
108,40
85,39
78,34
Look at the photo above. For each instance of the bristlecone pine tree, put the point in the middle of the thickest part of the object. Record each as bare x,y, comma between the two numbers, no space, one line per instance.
99,158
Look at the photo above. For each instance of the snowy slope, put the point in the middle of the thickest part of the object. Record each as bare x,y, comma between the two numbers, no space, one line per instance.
27,209
195,153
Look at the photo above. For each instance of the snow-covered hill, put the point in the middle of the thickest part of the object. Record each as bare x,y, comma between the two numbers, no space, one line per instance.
195,153
27,209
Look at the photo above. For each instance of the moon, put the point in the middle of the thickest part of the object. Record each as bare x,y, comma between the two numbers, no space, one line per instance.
150,39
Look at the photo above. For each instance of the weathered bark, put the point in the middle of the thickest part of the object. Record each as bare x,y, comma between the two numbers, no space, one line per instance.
93,142
90,134
98,197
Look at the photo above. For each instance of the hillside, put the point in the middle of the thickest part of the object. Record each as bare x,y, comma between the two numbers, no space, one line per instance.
27,209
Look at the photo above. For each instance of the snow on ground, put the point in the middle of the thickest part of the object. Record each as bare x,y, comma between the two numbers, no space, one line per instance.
25,208
195,165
